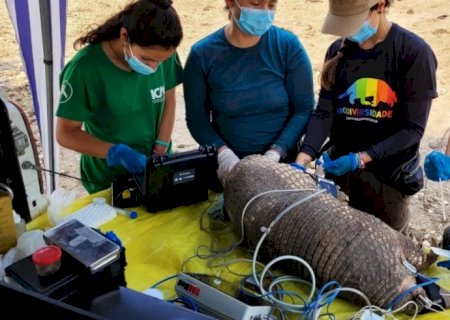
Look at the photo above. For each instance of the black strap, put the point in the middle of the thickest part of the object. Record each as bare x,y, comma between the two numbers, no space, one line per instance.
434,293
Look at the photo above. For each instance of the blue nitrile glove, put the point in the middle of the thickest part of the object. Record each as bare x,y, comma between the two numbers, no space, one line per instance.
123,155
444,264
298,166
113,237
437,166
342,165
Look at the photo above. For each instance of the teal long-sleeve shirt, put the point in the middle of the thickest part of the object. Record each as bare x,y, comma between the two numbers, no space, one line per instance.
248,98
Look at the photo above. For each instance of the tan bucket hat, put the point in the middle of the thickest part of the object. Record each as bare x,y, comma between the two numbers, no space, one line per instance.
345,17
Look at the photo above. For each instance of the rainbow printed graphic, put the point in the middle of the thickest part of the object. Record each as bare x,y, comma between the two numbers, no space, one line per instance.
370,92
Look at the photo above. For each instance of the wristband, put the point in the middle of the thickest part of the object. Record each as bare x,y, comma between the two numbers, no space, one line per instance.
162,143
362,164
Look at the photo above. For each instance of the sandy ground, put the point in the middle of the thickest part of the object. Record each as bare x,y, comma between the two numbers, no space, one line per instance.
430,19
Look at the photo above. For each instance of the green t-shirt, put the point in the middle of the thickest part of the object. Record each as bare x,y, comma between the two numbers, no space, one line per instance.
114,105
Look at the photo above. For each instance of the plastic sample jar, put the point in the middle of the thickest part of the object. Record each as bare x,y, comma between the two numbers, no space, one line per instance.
47,260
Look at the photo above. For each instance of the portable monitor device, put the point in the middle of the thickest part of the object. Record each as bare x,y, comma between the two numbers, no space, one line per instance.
217,297
178,179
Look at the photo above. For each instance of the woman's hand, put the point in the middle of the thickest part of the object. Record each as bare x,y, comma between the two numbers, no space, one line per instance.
123,155
226,159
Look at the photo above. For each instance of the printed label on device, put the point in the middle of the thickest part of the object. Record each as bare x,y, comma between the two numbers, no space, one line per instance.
183,176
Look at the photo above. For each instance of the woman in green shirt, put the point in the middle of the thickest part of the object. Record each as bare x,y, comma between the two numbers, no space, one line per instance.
117,102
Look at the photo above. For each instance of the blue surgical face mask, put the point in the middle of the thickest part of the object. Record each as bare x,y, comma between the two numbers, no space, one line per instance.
137,65
254,22
365,33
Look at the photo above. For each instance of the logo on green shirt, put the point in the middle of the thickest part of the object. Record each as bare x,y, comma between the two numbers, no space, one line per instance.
157,94
66,91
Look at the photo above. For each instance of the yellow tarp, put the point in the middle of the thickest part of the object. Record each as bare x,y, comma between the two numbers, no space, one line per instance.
157,245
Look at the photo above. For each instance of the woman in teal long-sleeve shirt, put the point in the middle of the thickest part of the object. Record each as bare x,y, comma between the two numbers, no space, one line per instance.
248,90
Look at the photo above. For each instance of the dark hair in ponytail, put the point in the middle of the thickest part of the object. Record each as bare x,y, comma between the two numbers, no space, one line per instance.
148,22
328,75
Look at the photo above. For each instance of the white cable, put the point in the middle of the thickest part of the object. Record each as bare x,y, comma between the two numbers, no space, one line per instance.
8,189
316,311
291,307
164,280
227,264
442,200
280,303
296,203
360,313
277,218
266,231
404,306
384,312
286,278
244,211
230,248
428,304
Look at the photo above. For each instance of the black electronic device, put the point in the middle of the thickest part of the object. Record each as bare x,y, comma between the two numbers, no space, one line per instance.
10,173
21,302
119,304
79,280
178,179
129,304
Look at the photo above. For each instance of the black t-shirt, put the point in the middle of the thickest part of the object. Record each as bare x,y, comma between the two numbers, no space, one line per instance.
380,101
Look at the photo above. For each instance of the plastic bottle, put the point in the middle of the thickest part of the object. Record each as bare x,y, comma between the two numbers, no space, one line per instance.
20,224
129,214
